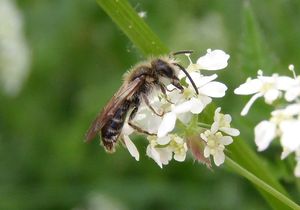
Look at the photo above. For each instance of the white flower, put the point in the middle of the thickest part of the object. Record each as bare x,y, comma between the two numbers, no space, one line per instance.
179,148
222,123
161,149
281,124
14,52
215,145
268,87
161,156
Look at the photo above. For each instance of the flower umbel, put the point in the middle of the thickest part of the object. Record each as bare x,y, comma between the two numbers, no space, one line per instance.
171,131
284,123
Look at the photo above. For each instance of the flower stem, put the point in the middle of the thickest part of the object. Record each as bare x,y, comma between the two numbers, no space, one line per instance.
204,125
261,184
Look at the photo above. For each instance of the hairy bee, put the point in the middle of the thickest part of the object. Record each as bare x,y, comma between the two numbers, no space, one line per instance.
138,84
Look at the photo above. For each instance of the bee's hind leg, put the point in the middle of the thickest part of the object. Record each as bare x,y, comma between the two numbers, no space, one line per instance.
135,127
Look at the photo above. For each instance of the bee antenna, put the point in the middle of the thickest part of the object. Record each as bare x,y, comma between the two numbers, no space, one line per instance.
182,52
188,76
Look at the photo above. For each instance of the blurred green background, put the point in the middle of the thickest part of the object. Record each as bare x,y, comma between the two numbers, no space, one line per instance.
77,58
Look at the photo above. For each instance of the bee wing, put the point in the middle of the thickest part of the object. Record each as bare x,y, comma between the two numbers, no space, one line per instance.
125,92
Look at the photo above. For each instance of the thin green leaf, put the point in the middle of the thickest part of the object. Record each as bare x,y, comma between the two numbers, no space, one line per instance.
133,26
261,184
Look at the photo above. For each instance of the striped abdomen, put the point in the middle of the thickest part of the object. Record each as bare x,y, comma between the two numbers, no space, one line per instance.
112,129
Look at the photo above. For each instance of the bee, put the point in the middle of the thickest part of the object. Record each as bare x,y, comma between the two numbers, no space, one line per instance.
138,84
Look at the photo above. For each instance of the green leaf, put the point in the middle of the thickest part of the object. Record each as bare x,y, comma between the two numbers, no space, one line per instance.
254,50
133,26
289,204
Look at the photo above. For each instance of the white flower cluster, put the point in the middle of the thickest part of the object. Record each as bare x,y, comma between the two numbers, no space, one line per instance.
285,121
14,53
170,139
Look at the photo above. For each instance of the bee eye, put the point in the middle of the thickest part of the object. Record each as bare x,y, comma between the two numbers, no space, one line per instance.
164,69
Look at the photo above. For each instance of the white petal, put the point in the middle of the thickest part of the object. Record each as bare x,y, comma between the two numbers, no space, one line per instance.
284,82
180,157
198,104
203,136
217,114
297,169
206,152
293,109
214,127
227,118
167,124
183,107
285,153
248,88
230,131
271,95
290,134
219,158
249,104
131,148
201,80
213,60
214,89
185,118
265,132
292,93
151,152
127,130
165,155
163,140
226,140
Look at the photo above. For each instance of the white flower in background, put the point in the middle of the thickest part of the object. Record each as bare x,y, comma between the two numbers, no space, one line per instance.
264,132
215,145
264,86
14,52
284,123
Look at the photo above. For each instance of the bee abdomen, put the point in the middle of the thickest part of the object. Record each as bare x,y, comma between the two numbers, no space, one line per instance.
112,129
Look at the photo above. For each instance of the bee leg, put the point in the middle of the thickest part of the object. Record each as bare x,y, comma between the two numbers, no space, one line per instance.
163,90
135,127
149,105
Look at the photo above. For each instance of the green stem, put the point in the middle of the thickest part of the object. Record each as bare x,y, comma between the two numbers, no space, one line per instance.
204,125
132,25
261,184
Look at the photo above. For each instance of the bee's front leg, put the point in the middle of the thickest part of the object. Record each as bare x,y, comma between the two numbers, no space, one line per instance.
163,90
146,100
135,127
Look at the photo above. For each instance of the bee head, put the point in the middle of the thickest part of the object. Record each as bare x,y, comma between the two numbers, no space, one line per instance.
166,73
